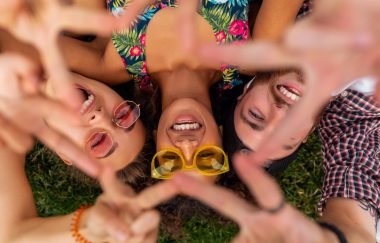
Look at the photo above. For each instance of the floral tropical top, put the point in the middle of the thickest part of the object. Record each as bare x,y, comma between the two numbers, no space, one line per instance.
228,19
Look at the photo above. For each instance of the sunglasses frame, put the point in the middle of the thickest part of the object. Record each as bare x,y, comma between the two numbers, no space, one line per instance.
137,106
225,168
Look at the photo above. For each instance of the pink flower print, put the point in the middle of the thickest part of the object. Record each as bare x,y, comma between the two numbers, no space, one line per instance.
135,51
238,27
142,39
163,5
245,34
220,36
143,68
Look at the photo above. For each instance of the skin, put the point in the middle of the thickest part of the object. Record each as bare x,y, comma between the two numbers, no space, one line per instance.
273,19
118,215
262,107
99,119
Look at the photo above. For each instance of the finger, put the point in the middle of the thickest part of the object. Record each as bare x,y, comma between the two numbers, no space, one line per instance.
311,38
265,189
118,193
37,107
80,20
23,67
59,75
250,56
33,123
59,143
14,138
145,223
222,200
154,195
106,217
188,10
151,237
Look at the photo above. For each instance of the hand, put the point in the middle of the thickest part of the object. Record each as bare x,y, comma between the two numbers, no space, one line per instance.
256,223
22,112
337,44
120,215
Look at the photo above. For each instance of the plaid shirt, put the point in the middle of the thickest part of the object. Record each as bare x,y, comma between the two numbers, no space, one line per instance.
350,134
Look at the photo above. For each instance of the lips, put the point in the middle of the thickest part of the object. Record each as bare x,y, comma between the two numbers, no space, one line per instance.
186,123
100,144
290,94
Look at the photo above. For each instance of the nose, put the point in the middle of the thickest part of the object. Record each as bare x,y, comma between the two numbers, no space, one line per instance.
97,116
188,147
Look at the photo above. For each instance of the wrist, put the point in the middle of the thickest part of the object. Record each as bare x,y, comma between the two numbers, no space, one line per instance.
332,233
79,225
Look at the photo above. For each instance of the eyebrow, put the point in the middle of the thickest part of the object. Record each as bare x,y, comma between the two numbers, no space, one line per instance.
254,126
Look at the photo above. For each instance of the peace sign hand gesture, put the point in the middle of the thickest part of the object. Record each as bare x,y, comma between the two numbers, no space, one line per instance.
272,220
120,215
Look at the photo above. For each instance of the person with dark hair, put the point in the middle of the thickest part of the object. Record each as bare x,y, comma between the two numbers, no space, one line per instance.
265,100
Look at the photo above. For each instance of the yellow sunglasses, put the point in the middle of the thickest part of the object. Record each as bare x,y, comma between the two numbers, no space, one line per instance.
209,160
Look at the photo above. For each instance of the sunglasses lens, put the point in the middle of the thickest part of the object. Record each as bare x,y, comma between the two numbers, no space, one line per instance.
210,160
167,163
126,114
99,144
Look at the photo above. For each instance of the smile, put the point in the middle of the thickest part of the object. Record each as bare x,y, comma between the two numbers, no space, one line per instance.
89,99
185,126
289,92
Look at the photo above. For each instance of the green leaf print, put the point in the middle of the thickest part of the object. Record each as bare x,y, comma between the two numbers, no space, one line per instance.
135,68
124,41
119,3
219,17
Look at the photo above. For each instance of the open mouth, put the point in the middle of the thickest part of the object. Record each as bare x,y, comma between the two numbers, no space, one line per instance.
289,93
88,100
100,144
186,126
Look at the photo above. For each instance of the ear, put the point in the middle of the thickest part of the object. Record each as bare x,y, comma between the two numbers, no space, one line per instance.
66,160
246,88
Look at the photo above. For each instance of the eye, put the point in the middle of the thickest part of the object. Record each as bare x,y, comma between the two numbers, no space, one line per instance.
122,113
256,115
206,154
170,157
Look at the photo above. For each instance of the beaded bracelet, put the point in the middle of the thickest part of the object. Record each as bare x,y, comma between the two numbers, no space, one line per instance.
74,229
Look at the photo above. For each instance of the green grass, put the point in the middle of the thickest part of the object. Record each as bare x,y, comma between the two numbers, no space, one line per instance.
57,193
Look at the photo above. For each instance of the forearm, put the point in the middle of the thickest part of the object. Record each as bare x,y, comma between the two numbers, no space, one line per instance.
357,224
274,17
93,62
52,229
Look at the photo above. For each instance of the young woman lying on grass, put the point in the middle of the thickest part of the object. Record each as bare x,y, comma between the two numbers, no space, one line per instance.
118,213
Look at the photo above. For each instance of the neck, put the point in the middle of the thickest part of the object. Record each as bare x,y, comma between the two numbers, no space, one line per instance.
184,83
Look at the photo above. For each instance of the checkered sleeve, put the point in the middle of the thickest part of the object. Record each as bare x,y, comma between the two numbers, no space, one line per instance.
350,135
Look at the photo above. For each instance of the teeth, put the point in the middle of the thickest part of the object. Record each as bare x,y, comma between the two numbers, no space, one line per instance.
87,103
187,126
289,94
